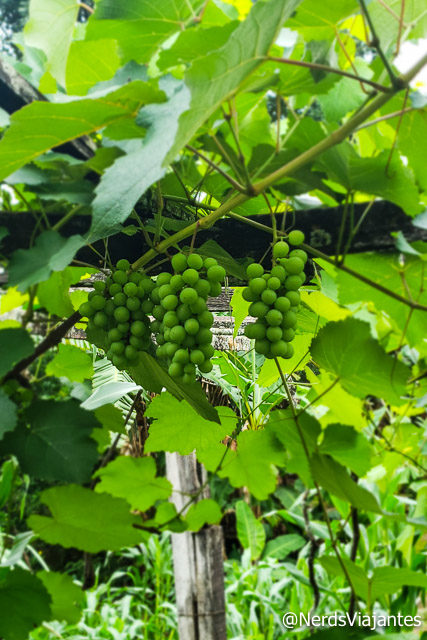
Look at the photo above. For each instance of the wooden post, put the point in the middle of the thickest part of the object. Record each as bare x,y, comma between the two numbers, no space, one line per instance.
197,559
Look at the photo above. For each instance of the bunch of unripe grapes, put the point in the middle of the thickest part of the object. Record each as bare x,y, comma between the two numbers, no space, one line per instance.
182,322
119,307
275,298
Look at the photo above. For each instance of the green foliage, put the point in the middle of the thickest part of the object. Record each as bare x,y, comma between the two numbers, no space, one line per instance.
66,596
71,362
15,344
249,530
25,603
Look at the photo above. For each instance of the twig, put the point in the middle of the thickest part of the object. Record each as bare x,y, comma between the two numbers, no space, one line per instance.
312,554
388,116
396,134
324,67
54,338
86,7
214,166
399,34
354,545
67,217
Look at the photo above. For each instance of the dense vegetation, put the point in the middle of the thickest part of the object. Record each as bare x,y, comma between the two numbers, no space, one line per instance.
160,120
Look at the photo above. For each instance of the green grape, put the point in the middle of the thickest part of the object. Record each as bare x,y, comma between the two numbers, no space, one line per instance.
202,287
155,297
138,343
183,312
290,351
119,300
170,302
133,304
119,361
207,350
269,297
282,304
97,302
209,262
190,369
294,298
86,310
289,320
188,296
279,349
100,320
204,336
279,272
280,249
147,307
288,334
130,289
299,253
254,270
123,264
262,346
155,326
115,288
197,356
138,314
165,290
114,335
248,295
170,349
123,327
199,306
99,286
181,356
176,283
163,278
91,295
189,341
117,347
109,307
292,283
131,353
191,326
274,334
296,237
273,283
216,273
190,276
170,319
195,261
294,266
177,334
161,351
179,262
138,328
187,378
120,277
147,284
257,286
135,277
274,317
255,331
159,312
206,366
258,309
161,339
206,319
175,370
216,289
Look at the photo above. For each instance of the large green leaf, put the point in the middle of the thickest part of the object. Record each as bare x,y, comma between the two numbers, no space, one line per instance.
282,546
140,26
190,431
53,293
90,62
24,603
67,597
50,28
8,414
317,21
128,178
216,77
57,444
334,478
413,128
250,463
250,531
71,362
108,394
85,520
348,447
40,126
347,349
201,513
15,344
134,479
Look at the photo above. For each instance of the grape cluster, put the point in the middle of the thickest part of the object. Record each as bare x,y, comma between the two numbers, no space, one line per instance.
182,322
119,308
275,298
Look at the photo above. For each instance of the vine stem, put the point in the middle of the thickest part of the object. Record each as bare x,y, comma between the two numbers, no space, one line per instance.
318,491
337,136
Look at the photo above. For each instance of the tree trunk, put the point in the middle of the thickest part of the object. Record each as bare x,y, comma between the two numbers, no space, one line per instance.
197,559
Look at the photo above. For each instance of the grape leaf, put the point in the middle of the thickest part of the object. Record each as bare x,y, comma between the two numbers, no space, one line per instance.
15,344
190,432
50,28
90,62
54,293
85,520
133,479
347,349
67,597
71,362
24,602
204,512
8,414
57,445
348,447
214,78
